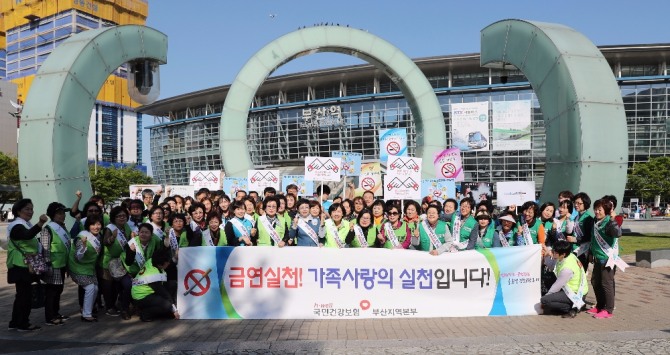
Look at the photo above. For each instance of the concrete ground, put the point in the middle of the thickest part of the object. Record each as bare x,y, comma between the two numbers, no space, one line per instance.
641,325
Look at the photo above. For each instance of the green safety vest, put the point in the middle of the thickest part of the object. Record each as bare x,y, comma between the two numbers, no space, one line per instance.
400,233
58,251
139,292
425,243
114,251
223,241
487,239
466,227
14,256
342,232
264,238
154,244
533,230
571,262
85,266
371,237
598,253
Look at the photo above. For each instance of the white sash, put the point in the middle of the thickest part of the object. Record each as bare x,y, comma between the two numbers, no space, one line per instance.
120,236
503,239
362,240
133,227
16,222
559,226
308,230
61,232
174,242
158,231
332,229
271,231
145,280
390,234
240,227
91,239
584,247
250,218
526,233
576,298
194,226
456,235
139,253
612,252
431,234
207,237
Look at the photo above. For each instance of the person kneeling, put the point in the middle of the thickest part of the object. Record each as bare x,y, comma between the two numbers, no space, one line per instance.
150,291
566,295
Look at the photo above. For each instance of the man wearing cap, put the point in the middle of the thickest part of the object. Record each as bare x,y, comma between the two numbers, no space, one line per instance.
483,234
56,245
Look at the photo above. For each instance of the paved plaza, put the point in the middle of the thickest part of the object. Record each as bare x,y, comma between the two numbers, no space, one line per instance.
641,325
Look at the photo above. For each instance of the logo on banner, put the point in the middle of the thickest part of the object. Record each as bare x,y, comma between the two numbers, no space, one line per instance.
200,176
448,170
269,176
410,164
197,282
327,165
407,183
393,148
368,183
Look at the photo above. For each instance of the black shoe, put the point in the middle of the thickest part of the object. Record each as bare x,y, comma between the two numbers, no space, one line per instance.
125,315
28,328
571,314
112,312
62,317
146,319
89,320
11,326
54,321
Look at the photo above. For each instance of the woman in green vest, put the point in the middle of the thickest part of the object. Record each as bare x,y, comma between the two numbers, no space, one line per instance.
22,241
115,237
363,233
583,227
430,235
214,235
82,262
284,217
270,224
140,249
151,291
483,234
529,223
566,294
336,228
401,237
411,218
56,246
464,222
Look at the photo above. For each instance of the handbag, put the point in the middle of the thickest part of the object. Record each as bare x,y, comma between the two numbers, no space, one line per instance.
36,263
38,293
116,268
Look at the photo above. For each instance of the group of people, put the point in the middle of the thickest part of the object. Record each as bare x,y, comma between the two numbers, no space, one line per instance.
128,258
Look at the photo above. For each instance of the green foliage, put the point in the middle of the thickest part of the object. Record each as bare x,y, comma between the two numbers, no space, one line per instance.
9,175
112,183
631,244
651,178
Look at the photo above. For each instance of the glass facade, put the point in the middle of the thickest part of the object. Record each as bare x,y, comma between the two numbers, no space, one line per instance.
281,128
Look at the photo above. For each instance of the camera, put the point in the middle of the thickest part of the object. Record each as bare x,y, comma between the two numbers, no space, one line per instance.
144,80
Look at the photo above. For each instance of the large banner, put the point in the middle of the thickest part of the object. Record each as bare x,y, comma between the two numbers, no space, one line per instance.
392,143
210,179
470,125
438,189
511,125
305,187
448,164
322,169
330,283
260,179
515,192
351,163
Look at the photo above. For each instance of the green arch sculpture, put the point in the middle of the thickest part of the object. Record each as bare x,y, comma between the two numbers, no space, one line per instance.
57,111
587,139
431,135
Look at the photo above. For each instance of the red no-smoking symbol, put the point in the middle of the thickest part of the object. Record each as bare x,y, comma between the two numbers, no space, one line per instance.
448,169
197,282
368,183
393,148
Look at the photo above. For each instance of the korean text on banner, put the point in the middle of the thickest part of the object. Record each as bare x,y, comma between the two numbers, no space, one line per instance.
322,169
356,283
260,179
448,164
511,125
210,179
351,163
404,167
515,192
392,142
402,188
470,125
438,189
233,184
305,187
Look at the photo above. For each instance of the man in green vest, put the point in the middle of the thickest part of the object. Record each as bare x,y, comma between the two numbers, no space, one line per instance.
566,295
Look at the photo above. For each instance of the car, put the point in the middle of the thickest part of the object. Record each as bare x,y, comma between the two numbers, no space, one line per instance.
656,212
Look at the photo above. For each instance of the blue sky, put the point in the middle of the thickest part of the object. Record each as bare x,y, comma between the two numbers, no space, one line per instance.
210,40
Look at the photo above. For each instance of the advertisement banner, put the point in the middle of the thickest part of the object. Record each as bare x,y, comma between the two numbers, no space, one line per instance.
232,184
401,188
322,169
356,283
351,163
210,179
136,190
305,187
258,180
515,192
511,125
479,191
470,125
392,142
448,164
181,190
438,189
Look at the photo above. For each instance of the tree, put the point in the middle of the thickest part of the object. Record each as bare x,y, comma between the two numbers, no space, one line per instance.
651,179
112,183
9,176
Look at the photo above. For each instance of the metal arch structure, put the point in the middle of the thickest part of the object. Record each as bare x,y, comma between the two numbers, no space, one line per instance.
57,112
586,133
425,108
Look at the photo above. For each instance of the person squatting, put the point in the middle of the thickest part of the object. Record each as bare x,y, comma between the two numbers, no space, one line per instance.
124,262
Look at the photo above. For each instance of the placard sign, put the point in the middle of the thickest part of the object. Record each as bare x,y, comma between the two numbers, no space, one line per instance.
438,189
233,184
401,188
322,169
448,164
351,163
305,187
392,142
260,179
181,190
210,179
515,192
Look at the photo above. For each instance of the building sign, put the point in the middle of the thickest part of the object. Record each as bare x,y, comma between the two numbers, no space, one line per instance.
511,125
470,125
322,117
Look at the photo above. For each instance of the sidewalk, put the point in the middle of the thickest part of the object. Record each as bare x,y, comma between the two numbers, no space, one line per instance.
641,325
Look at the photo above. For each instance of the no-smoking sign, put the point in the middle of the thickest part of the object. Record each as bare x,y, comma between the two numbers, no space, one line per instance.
393,148
448,170
197,282
368,183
